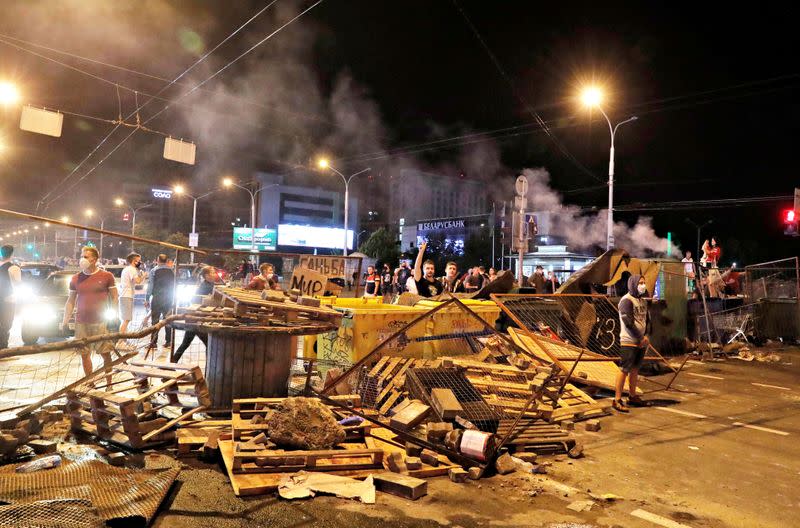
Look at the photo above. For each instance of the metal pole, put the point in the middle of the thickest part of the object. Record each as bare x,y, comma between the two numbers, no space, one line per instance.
133,227
346,206
77,253
102,226
523,240
194,227
493,239
252,223
610,233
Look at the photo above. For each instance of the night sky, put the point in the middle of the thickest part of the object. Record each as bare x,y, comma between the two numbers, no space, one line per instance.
716,93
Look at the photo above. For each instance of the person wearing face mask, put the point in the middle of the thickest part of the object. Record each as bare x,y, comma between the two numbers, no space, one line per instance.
92,292
634,319
10,278
132,275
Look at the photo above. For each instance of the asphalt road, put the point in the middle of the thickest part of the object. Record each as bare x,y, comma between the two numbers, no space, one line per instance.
723,452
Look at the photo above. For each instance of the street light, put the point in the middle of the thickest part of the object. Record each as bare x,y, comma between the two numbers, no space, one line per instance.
102,217
325,164
228,182
181,190
8,93
591,97
119,202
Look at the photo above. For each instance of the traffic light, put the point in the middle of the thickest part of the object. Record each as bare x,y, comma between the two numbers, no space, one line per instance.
790,222
126,217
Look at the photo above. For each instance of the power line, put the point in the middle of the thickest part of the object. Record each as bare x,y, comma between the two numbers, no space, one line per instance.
699,204
138,108
521,98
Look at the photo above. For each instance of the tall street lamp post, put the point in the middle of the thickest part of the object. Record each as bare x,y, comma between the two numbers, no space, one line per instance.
592,97
699,228
120,203
228,182
89,214
180,190
324,164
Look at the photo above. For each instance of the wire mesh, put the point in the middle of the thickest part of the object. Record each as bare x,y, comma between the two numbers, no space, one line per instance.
580,333
58,513
491,380
731,324
777,280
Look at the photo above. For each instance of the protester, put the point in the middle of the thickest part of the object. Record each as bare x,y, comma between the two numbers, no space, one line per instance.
264,280
552,284
160,295
688,270
387,278
372,282
132,275
92,291
492,274
482,271
711,253
474,281
10,278
208,278
424,275
634,319
403,275
451,281
537,281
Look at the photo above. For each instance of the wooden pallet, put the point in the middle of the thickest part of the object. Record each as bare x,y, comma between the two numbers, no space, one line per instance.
387,441
244,409
249,304
536,435
126,412
351,457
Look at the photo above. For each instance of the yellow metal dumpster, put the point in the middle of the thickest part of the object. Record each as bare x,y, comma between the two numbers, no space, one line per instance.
363,328
452,320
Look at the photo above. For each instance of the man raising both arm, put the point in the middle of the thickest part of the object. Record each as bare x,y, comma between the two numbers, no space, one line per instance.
427,285
634,318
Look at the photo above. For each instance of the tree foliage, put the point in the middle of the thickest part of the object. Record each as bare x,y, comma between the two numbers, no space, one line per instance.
383,246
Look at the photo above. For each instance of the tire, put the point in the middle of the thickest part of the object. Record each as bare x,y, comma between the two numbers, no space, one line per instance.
29,338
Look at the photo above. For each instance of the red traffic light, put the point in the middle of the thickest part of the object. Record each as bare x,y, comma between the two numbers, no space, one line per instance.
125,217
789,215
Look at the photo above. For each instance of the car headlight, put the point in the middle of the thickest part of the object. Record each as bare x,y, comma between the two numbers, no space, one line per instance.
23,293
39,314
110,314
186,292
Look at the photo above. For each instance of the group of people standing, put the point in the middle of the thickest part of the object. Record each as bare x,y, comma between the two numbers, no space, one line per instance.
713,282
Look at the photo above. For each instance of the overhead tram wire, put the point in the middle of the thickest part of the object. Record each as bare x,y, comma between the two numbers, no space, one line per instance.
530,109
312,117
197,86
698,204
138,108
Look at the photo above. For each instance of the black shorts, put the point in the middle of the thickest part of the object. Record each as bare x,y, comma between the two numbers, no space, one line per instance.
631,357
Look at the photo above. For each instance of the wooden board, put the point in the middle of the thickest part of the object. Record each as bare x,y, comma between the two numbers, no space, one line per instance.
385,439
261,483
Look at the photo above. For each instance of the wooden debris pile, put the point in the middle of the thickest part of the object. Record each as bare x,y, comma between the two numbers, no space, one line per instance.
237,307
127,411
20,437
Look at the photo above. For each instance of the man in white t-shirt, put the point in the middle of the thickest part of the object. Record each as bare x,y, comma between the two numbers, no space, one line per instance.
688,271
131,276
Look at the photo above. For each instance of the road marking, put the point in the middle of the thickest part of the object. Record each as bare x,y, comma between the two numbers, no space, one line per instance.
695,362
709,376
770,386
677,411
759,428
657,519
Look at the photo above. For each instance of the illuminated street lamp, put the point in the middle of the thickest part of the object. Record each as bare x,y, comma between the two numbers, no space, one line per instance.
181,190
325,164
8,93
592,97
228,182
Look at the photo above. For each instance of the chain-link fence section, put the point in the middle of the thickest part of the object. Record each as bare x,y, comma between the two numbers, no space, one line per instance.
776,280
579,333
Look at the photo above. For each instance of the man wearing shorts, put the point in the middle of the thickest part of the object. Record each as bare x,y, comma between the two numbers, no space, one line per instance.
131,276
92,292
634,319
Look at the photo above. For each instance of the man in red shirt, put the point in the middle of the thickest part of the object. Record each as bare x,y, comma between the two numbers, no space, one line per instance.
265,280
93,291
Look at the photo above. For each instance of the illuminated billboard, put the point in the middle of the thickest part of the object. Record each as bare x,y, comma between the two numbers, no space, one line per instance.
313,237
265,239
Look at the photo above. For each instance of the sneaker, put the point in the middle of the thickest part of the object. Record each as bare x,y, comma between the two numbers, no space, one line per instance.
619,406
636,401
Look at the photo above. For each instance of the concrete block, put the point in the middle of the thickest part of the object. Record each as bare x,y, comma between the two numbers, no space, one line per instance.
474,473
505,464
593,425
437,431
446,404
568,425
458,474
43,447
413,450
396,463
429,457
413,463
401,485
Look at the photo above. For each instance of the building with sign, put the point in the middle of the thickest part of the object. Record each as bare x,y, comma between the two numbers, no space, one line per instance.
266,239
453,231
305,217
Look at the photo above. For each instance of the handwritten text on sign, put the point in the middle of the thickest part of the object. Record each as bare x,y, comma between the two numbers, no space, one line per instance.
328,266
309,282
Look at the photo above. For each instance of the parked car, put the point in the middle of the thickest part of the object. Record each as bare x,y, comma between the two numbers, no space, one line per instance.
42,313
33,276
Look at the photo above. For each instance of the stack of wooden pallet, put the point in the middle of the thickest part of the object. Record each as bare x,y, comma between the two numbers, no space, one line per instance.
126,412
254,306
